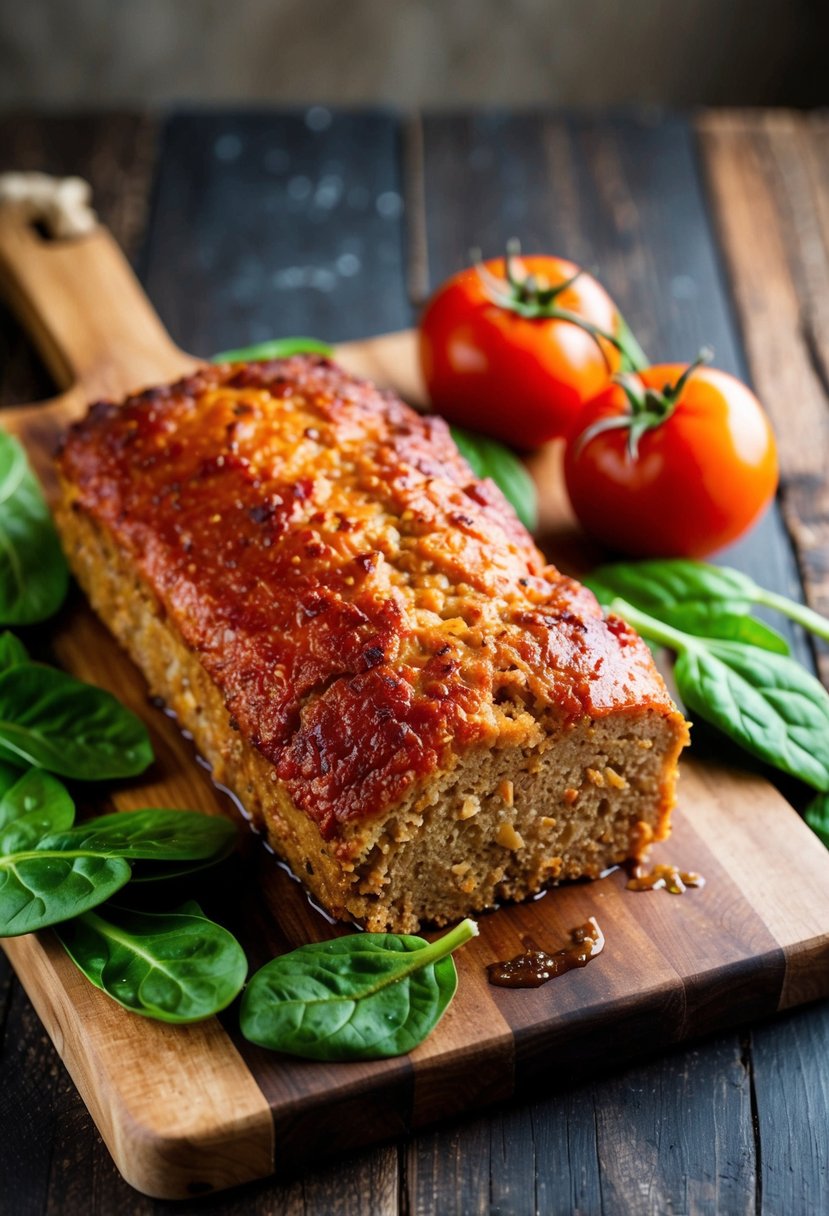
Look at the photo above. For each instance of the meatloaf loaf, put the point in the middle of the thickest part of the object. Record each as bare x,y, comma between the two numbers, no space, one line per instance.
365,643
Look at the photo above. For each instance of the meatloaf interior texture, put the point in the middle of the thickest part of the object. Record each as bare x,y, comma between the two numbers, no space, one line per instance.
365,643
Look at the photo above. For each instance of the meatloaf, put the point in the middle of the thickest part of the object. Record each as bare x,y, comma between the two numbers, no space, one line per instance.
367,646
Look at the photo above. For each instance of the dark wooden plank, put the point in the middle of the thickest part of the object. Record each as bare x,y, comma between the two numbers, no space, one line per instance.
364,1182
114,152
791,1095
449,1170
272,224
604,1147
677,1136
29,1106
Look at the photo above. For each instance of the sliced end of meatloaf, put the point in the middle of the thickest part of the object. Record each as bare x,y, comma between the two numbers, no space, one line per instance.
365,642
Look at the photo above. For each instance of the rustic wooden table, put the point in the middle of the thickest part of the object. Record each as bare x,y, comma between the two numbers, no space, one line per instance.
248,225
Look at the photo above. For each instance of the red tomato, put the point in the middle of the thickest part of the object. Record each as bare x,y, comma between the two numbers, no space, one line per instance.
522,378
699,479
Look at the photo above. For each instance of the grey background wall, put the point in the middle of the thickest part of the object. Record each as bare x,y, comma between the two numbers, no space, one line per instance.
94,53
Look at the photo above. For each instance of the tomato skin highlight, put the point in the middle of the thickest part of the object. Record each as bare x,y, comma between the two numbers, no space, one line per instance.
700,479
519,379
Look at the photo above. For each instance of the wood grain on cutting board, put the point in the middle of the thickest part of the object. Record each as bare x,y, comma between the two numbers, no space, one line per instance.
190,1109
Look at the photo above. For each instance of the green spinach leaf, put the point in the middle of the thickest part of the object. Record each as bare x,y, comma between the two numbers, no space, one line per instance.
276,348
362,997
52,721
12,651
36,804
729,627
162,871
488,458
174,967
671,583
69,872
707,620
766,702
148,835
38,889
33,571
691,595
684,607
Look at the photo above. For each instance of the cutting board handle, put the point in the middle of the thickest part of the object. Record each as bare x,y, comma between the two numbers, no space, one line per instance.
88,315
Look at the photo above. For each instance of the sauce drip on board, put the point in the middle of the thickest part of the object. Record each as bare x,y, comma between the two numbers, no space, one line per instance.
534,966
662,878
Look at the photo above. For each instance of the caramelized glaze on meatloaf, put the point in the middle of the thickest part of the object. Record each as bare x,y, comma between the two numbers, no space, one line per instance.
365,642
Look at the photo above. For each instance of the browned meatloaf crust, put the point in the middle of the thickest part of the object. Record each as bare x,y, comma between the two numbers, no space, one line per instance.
365,642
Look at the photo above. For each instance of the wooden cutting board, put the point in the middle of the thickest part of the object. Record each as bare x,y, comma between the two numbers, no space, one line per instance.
187,1110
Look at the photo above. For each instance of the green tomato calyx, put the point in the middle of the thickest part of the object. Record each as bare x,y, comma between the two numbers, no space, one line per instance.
649,407
533,297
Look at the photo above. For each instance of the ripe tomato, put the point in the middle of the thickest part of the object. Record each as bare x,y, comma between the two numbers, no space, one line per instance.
676,461
506,347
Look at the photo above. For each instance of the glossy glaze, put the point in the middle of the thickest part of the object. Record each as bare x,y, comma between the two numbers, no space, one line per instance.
366,607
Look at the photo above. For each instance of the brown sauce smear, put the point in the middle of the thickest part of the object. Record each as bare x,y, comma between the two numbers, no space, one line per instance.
534,966
662,878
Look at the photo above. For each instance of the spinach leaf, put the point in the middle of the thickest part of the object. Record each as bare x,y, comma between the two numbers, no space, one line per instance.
707,620
690,594
34,805
174,967
729,627
675,582
766,702
362,997
160,871
12,651
488,458
276,348
675,601
149,835
13,466
55,722
69,872
38,889
33,571
817,817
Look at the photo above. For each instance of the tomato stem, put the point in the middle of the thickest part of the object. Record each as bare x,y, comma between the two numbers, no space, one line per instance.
649,407
529,289
671,394
534,300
